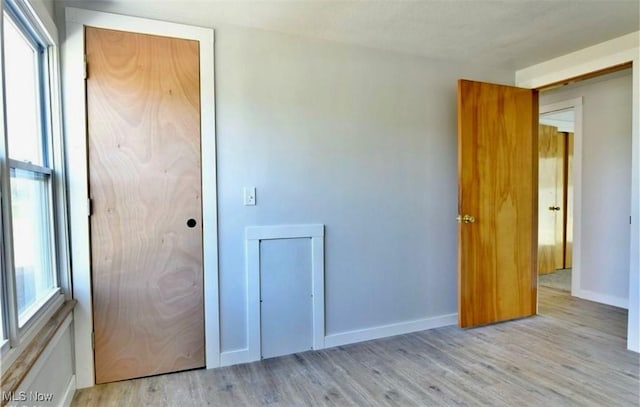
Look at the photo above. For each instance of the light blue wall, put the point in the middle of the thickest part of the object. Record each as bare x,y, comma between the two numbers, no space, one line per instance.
606,180
363,141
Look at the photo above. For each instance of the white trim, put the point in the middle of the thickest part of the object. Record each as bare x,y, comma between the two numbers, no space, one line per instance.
41,14
605,55
239,356
383,331
75,144
75,113
576,173
633,326
601,56
140,25
253,236
235,357
317,289
68,393
283,232
252,261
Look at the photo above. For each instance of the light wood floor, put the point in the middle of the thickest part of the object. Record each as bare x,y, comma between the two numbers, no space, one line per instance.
572,354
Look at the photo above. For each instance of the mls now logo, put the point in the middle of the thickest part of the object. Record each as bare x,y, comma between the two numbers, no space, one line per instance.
26,396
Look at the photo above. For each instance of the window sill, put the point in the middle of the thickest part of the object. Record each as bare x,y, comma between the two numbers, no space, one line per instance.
19,369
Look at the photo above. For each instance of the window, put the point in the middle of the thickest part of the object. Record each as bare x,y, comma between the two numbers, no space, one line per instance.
30,283
32,254
3,337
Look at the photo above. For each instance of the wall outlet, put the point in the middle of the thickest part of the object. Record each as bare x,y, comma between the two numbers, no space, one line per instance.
249,196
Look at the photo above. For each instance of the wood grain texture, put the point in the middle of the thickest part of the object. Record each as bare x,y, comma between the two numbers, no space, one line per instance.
497,184
572,354
551,178
143,104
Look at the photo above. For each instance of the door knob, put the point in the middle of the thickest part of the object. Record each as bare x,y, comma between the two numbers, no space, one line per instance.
554,208
465,219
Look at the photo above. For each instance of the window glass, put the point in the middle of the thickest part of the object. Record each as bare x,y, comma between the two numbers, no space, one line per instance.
31,213
28,272
21,95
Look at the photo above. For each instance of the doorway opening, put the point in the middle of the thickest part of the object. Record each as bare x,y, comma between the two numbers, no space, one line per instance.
597,172
555,197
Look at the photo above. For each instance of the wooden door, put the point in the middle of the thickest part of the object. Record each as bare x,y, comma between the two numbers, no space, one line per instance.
497,201
143,118
551,199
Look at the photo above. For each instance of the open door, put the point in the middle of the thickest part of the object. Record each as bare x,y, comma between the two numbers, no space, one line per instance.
551,199
497,202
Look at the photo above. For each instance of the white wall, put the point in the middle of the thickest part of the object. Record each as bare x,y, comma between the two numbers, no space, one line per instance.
601,56
606,180
360,140
52,376
363,141
48,5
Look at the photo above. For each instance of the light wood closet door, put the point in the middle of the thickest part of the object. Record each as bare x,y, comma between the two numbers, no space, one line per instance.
497,198
551,200
143,102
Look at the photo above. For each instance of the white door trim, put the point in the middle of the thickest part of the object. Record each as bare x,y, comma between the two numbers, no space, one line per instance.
76,150
576,173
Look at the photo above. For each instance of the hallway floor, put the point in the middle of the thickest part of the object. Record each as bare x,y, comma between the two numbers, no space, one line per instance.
559,279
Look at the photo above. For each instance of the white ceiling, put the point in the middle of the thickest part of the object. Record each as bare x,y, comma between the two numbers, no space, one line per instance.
510,34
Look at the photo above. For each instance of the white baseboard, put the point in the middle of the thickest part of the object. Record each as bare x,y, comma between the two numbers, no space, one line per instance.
602,298
235,357
69,393
384,331
239,356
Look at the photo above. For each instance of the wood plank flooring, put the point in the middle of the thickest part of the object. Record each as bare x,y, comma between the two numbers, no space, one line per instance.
572,354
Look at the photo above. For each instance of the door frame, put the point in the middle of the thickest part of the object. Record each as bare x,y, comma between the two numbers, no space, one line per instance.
77,174
609,54
576,173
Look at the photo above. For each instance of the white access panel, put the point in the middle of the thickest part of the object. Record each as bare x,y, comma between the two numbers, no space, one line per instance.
286,307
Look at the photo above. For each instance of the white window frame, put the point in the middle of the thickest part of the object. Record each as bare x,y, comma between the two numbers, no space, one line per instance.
18,336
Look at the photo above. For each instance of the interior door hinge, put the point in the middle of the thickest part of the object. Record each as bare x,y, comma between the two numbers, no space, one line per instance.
86,68
89,207
93,340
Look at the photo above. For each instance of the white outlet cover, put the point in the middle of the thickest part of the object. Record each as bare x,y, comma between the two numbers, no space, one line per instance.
249,196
